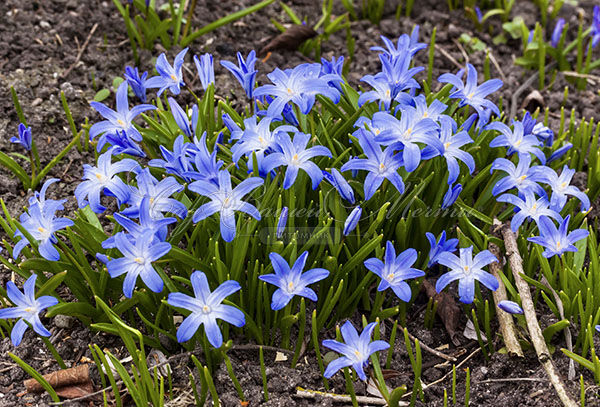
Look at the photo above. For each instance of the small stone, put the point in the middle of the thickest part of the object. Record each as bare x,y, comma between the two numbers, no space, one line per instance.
63,321
36,102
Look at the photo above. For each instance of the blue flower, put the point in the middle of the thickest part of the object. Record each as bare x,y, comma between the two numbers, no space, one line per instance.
169,77
226,201
395,270
423,110
27,309
381,165
159,193
333,68
299,85
181,118
148,223
561,187
137,261
398,73
557,33
296,156
356,349
206,308
451,195
439,247
245,72
282,221
40,197
466,270
235,130
471,94
119,121
595,29
340,184
206,70
451,148
516,140
292,281
352,220
559,152
521,176
103,178
543,133
530,208
24,137
405,44
407,132
510,306
258,139
137,82
479,14
206,163
557,241
41,223
382,92
175,162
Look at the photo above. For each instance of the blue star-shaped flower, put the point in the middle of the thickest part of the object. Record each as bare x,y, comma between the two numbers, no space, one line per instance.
295,156
356,350
206,308
466,270
471,94
27,309
169,77
292,281
395,270
557,241
226,201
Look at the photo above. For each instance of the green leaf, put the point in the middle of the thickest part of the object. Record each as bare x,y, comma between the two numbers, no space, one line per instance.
101,95
38,377
553,329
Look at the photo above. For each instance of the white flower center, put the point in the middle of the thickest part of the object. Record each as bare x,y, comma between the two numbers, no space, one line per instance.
139,260
174,77
206,309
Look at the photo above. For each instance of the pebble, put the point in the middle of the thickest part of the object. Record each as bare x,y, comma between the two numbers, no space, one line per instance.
36,102
63,321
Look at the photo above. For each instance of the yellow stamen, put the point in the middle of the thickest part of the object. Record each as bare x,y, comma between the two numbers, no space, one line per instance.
206,309
425,115
99,176
41,230
518,143
522,177
446,145
470,95
390,276
290,286
563,185
121,122
173,77
29,309
139,260
289,91
381,167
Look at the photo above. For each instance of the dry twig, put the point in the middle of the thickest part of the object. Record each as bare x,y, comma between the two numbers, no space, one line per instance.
535,332
80,53
507,326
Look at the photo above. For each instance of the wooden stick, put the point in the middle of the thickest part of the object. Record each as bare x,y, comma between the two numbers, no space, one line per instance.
448,56
80,53
507,326
535,332
342,398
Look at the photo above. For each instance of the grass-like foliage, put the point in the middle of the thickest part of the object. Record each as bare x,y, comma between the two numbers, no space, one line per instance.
312,201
